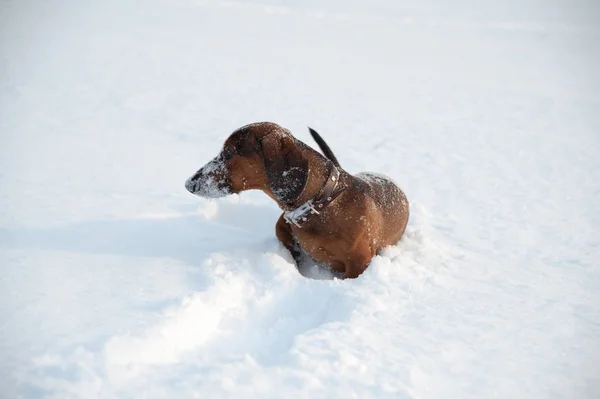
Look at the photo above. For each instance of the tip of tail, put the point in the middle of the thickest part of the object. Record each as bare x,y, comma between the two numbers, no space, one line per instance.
324,147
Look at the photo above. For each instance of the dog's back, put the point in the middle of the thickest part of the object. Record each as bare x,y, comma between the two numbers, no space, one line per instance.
389,207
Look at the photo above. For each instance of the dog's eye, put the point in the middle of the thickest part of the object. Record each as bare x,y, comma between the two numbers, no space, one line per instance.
227,153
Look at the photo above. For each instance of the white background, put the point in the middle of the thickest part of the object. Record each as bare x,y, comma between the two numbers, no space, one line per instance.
115,282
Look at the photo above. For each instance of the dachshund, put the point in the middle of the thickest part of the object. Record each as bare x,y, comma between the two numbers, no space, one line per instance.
338,219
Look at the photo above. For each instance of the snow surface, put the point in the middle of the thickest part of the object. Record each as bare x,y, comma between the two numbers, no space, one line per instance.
115,282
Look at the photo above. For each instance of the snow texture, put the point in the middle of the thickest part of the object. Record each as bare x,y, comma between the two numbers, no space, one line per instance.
115,282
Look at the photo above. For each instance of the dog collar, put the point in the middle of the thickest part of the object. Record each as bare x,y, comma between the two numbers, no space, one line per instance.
329,192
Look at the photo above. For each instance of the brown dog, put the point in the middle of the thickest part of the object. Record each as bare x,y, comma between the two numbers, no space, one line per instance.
338,219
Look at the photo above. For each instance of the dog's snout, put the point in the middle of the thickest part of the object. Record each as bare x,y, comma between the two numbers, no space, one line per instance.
194,181
190,184
210,181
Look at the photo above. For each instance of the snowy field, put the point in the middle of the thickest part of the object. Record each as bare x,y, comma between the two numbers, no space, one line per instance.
115,282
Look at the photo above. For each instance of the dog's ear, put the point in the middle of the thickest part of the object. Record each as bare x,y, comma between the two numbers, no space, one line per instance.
287,169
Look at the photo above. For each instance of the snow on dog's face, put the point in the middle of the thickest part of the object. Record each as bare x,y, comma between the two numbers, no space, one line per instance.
225,174
261,156
211,180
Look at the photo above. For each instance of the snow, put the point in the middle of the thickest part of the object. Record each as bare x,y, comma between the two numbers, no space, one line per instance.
115,282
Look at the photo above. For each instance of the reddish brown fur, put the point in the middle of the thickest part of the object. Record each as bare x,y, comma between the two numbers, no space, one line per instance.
370,214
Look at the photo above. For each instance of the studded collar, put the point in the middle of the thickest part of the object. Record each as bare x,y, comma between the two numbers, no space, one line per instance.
302,214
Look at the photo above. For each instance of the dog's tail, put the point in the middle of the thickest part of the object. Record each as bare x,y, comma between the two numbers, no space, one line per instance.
324,147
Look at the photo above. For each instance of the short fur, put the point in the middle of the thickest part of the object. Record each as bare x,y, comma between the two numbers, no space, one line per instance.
369,215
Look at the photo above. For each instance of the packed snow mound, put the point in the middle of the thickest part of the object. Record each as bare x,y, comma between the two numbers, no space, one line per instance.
259,317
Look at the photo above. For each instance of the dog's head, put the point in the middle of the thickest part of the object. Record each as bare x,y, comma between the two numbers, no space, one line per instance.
261,156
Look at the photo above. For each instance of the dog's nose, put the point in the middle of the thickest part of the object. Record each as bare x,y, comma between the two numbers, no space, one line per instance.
190,185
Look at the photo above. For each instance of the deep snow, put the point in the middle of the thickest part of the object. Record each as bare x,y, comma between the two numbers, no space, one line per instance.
116,282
